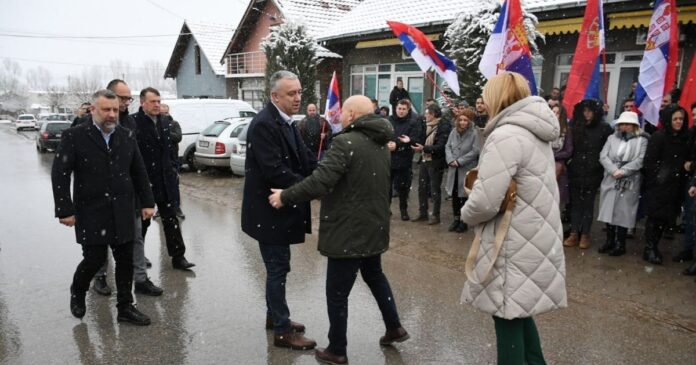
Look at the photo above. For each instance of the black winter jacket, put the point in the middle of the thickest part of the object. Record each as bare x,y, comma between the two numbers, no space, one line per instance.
402,157
584,169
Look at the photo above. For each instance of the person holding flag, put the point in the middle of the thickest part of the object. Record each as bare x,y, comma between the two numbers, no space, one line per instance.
333,106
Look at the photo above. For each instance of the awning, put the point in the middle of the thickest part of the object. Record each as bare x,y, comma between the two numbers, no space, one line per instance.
631,19
636,19
389,42
560,26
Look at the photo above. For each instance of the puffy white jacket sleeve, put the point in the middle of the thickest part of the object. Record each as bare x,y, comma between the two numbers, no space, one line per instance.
499,162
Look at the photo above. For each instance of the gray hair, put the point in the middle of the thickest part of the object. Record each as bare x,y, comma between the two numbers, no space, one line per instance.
104,93
279,75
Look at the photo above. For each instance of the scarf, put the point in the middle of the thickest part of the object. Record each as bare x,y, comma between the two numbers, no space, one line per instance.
430,131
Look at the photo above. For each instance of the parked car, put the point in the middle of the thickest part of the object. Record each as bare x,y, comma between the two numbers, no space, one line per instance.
214,144
194,115
25,121
49,135
238,155
51,118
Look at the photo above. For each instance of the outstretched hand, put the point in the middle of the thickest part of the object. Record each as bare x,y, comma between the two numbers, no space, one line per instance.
274,199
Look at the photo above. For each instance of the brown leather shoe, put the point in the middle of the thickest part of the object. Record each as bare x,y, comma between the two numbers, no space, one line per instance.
584,241
572,240
395,335
295,341
326,357
296,327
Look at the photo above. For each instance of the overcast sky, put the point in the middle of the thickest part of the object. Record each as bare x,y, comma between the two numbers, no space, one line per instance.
97,18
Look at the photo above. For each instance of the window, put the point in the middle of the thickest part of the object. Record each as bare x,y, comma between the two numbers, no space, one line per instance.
197,59
237,130
253,97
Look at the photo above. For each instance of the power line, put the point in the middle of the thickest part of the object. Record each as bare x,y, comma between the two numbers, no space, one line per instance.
70,63
165,9
60,36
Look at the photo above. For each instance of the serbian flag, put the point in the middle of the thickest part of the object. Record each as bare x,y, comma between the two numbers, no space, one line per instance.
659,64
688,96
585,79
508,47
424,53
333,106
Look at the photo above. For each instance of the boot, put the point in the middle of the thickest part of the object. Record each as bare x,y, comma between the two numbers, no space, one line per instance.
404,215
611,239
584,241
653,233
462,227
572,240
684,256
620,245
691,270
454,225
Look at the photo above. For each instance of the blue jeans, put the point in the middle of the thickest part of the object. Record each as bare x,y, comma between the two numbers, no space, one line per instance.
277,260
340,277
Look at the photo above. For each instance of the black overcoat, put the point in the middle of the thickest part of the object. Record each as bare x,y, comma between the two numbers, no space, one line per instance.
437,149
156,146
107,179
663,169
584,169
402,157
272,162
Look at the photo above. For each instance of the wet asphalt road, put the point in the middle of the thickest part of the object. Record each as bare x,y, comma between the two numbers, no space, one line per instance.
621,310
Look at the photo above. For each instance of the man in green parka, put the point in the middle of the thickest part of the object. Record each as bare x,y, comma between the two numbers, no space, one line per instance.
354,184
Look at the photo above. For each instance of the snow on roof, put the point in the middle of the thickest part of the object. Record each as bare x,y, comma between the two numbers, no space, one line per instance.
317,15
213,40
371,16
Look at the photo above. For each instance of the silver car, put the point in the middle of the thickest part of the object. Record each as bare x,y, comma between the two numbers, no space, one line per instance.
214,144
238,156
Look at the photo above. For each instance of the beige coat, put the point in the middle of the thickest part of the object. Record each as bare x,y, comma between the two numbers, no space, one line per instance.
528,277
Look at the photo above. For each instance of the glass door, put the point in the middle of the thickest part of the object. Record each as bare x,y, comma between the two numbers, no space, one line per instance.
415,90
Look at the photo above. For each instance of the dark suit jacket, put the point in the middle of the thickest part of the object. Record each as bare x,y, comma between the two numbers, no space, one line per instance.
272,162
107,179
156,146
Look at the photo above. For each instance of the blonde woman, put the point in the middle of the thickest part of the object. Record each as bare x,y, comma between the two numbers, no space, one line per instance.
622,158
461,153
528,274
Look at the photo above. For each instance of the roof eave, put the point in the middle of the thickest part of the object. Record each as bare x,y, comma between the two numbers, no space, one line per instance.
179,47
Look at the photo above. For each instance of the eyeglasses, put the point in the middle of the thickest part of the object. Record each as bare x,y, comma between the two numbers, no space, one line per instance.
125,98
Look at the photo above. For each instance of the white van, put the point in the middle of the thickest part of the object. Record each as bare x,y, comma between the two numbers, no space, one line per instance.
194,115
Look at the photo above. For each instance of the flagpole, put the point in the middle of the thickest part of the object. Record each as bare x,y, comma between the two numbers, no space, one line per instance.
604,75
449,102
321,137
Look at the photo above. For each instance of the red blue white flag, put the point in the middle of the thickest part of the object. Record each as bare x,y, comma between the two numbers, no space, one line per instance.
659,64
333,106
424,53
585,79
508,47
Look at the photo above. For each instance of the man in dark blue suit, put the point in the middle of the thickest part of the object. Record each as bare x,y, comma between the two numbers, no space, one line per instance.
277,157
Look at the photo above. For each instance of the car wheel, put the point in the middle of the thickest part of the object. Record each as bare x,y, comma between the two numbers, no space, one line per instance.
191,160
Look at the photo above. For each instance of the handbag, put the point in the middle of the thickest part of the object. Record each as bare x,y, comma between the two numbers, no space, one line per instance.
506,209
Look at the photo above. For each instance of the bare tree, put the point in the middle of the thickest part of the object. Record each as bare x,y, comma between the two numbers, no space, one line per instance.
82,86
121,69
39,79
10,74
56,97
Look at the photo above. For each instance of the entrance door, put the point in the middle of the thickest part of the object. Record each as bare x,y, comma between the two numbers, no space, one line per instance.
415,90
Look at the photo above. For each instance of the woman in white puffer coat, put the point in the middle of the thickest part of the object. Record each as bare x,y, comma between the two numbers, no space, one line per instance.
528,275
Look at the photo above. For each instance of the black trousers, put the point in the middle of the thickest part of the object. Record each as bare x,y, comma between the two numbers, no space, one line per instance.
401,182
429,186
172,229
340,277
457,202
94,257
582,201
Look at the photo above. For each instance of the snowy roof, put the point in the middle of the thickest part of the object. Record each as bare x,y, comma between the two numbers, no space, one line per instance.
317,15
371,15
212,40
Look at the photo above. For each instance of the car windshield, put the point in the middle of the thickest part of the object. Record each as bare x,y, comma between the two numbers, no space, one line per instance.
57,127
243,134
215,129
26,117
245,114
57,117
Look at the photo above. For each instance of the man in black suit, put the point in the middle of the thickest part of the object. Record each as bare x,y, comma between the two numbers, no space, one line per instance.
277,157
109,172
153,133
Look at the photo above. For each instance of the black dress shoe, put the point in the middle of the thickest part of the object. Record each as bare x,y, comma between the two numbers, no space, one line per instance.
181,263
452,227
404,216
462,227
77,304
100,286
179,213
148,288
148,264
327,357
395,335
420,218
130,314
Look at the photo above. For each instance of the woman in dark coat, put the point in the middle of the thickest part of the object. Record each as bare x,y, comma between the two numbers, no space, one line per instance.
665,178
585,173
562,151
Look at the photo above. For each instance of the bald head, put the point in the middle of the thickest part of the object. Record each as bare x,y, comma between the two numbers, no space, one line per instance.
355,107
